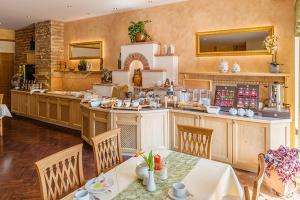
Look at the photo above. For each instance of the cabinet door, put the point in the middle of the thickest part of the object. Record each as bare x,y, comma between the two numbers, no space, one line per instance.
130,131
64,110
15,102
32,105
221,147
85,127
154,130
182,119
42,107
249,139
100,122
75,114
53,108
23,103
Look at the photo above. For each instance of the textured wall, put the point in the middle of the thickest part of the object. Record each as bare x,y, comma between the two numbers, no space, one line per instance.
49,49
22,38
177,24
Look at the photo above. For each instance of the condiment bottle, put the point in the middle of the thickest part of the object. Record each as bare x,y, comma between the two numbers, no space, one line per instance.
157,162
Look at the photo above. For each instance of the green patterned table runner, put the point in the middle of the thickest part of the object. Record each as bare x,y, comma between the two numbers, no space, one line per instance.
179,165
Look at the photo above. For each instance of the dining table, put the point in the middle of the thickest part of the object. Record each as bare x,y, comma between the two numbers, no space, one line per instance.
204,179
4,112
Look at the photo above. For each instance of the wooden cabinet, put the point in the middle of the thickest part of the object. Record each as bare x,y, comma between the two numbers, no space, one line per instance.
15,102
52,108
130,130
222,137
42,107
32,105
154,130
86,123
181,119
58,110
235,141
249,139
75,117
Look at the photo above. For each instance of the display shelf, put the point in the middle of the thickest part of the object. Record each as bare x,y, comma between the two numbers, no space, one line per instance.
250,74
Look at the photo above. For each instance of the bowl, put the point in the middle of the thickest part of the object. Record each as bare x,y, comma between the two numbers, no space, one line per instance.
213,109
95,103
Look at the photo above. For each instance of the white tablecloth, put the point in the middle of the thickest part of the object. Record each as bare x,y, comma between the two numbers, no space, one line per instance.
4,111
208,180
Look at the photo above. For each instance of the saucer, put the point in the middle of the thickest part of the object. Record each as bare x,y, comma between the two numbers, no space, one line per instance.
173,197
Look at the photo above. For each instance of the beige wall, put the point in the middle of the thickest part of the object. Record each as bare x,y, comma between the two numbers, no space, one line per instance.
177,23
6,34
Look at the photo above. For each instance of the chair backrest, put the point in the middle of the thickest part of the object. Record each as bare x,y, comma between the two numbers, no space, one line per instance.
107,150
258,180
60,173
195,141
1,98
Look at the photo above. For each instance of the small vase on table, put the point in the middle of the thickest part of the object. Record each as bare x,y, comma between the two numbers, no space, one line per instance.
151,187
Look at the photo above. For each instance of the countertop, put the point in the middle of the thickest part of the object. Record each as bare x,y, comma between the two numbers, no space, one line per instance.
225,115
48,94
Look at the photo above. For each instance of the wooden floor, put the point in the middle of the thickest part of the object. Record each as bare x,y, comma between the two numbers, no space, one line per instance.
26,141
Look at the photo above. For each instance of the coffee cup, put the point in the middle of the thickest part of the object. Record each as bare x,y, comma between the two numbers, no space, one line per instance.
82,195
179,190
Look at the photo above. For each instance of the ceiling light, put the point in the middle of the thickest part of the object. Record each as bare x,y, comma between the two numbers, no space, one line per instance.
28,17
69,6
149,1
115,9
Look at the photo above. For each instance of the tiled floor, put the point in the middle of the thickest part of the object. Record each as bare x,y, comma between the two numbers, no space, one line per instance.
25,141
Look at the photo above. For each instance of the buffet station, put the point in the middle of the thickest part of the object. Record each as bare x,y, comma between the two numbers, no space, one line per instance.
147,98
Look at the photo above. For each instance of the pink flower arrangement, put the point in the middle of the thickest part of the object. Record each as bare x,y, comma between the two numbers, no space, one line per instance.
284,161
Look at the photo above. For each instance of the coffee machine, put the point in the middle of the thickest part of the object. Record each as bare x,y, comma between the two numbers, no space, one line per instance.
276,96
276,107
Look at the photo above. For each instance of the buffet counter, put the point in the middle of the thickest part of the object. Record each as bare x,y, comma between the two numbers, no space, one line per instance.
57,109
236,140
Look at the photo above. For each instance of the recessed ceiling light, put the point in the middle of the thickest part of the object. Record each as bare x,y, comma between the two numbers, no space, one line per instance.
69,6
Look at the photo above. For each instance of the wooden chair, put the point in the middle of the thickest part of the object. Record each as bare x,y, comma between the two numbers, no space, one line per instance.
60,173
107,150
258,180
195,141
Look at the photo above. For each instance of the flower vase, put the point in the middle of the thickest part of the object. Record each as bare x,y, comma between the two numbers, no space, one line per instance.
281,188
151,187
274,68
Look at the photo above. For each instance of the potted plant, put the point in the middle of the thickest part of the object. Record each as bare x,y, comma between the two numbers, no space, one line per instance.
271,44
82,65
149,160
282,167
137,32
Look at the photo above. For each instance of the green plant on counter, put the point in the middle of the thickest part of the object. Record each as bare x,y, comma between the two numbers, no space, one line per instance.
82,65
137,27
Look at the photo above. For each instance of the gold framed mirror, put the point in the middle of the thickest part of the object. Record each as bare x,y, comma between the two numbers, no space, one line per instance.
233,42
85,50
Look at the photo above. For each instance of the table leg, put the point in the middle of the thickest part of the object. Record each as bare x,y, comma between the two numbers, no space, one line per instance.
1,127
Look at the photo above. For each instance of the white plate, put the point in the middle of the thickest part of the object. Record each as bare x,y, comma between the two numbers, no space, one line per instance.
89,186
